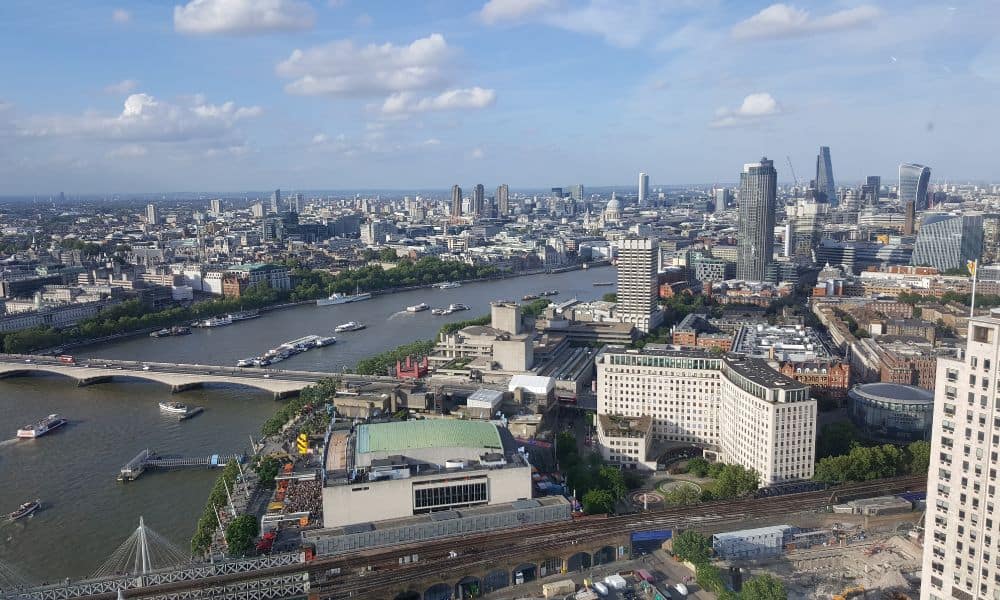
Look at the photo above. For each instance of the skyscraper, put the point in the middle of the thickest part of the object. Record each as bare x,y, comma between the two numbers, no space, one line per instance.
295,203
478,198
152,214
215,206
456,201
576,192
824,175
637,261
643,189
870,191
755,238
503,200
913,180
275,201
723,196
947,241
960,523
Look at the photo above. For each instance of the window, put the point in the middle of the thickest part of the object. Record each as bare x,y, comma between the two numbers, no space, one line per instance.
983,335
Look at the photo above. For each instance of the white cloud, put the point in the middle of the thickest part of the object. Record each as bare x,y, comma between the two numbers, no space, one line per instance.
242,16
496,11
785,21
753,108
121,16
125,86
146,119
320,138
477,153
431,142
129,151
466,98
342,69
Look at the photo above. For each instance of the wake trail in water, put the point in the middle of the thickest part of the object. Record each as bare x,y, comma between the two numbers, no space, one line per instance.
8,442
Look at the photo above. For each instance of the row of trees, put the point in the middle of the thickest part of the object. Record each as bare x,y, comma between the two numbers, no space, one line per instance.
597,486
982,300
314,396
217,500
731,481
876,462
695,548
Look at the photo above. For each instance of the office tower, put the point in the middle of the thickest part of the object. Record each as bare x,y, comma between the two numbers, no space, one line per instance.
576,192
806,219
272,229
824,175
503,200
478,198
991,238
637,262
961,522
456,201
257,210
295,203
909,218
215,206
748,413
152,215
275,201
557,192
755,238
913,180
643,189
723,196
947,241
871,190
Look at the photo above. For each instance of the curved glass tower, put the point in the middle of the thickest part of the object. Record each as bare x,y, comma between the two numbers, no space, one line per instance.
913,180
824,176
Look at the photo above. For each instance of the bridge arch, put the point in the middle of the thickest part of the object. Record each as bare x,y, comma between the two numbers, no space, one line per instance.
439,591
496,580
550,566
604,555
578,562
468,587
528,572
408,595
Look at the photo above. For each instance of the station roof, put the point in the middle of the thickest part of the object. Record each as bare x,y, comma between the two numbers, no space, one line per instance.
398,437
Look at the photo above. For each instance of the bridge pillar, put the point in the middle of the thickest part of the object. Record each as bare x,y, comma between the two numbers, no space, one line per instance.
286,394
92,380
181,387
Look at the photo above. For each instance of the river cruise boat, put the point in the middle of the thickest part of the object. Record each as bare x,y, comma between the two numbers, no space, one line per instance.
357,296
46,425
449,285
349,326
177,408
25,510
417,307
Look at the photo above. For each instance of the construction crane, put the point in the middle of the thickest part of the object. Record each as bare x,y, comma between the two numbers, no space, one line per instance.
792,169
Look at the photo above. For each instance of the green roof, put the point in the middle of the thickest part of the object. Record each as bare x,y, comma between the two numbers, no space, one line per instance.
395,438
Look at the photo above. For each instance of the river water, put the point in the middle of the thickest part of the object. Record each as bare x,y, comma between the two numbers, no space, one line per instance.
87,514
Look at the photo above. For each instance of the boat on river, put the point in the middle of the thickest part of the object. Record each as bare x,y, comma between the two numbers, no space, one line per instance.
417,307
46,425
337,298
25,510
349,326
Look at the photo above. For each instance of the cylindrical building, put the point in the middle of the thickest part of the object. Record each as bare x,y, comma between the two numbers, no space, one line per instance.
891,412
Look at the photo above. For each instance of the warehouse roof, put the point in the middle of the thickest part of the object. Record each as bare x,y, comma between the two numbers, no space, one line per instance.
398,437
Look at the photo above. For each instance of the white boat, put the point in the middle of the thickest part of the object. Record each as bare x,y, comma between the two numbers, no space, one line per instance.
457,307
216,322
244,362
417,307
325,341
337,298
25,510
449,285
244,315
440,312
177,408
42,427
349,326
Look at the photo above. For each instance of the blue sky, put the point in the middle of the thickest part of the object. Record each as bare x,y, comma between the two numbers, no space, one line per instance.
214,95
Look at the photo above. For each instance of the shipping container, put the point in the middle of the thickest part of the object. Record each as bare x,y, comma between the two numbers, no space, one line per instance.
558,589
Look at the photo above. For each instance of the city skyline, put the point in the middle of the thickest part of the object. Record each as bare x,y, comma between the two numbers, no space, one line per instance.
319,95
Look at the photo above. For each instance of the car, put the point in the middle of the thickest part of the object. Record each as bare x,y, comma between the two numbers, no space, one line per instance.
267,375
145,367
121,368
27,360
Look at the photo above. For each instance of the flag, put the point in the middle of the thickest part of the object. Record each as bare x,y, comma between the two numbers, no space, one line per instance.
971,265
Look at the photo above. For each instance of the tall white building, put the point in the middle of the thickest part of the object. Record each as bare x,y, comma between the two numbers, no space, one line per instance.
643,189
637,293
152,214
738,409
961,530
215,207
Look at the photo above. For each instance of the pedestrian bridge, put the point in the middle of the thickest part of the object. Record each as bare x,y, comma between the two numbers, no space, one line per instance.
178,376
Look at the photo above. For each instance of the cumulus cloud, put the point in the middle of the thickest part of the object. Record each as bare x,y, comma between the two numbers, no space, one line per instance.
121,16
497,11
342,69
145,119
754,108
205,17
129,151
466,98
125,86
785,21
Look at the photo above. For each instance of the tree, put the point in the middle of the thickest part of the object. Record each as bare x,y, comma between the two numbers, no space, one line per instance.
919,454
692,547
598,501
387,255
836,438
611,479
709,578
610,297
764,587
682,495
267,469
735,481
698,467
240,534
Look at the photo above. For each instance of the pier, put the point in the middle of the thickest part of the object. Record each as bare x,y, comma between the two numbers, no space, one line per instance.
147,459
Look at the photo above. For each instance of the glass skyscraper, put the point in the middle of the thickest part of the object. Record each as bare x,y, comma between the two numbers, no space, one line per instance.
824,175
913,180
947,241
755,238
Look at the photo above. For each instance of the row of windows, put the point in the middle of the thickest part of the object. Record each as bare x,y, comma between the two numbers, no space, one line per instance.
452,495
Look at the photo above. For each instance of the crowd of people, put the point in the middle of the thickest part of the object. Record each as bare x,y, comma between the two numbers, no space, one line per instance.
305,496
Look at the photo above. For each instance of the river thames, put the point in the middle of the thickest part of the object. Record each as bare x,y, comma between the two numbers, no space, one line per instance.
86,514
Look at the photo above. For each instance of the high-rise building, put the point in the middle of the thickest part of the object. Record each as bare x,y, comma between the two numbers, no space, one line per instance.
215,206
913,181
961,523
746,412
643,189
909,218
478,200
871,190
824,175
152,214
295,203
257,210
503,200
755,238
806,219
946,241
456,201
272,229
637,293
275,202
723,196
576,192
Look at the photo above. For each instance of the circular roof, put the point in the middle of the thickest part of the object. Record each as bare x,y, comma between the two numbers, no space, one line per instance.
893,392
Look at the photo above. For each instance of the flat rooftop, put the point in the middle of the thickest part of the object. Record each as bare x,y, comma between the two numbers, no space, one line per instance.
400,436
758,371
